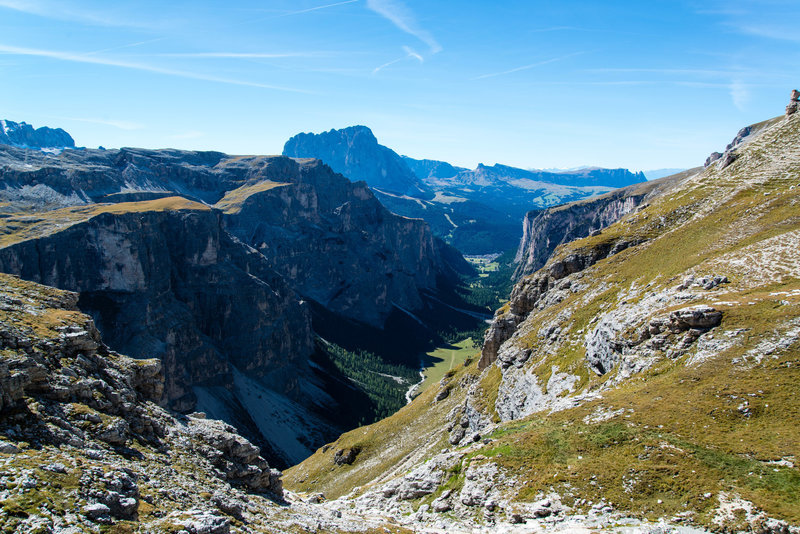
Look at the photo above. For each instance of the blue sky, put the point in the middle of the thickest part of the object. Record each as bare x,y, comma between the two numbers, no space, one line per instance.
532,84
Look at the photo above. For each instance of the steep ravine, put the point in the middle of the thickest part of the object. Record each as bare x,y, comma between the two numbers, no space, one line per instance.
216,279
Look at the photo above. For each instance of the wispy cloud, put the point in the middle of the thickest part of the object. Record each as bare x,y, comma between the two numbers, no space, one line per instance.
310,9
553,29
129,45
396,12
68,11
93,60
410,54
698,72
740,94
296,12
772,32
774,19
526,67
247,55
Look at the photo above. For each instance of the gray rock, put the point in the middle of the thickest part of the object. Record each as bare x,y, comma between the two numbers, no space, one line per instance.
456,435
442,503
204,522
794,103
228,505
57,467
8,448
346,456
96,511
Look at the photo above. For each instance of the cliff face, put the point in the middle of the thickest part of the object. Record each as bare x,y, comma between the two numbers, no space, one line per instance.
544,230
202,259
145,277
335,243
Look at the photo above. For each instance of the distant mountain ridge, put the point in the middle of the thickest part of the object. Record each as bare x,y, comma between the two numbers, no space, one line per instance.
478,211
23,135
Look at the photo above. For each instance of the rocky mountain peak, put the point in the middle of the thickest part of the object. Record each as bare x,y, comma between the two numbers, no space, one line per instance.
355,152
23,135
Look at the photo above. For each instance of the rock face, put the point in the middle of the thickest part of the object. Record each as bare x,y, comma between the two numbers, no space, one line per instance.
336,244
145,276
202,260
544,230
794,103
72,411
477,211
539,291
355,153
723,159
21,134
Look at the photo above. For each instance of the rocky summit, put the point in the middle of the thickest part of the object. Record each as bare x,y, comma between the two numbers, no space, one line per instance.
21,134
355,152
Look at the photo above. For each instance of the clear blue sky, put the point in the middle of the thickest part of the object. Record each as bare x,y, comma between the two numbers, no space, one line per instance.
527,83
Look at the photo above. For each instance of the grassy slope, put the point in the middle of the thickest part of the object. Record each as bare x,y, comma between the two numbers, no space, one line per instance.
233,200
15,228
680,433
678,437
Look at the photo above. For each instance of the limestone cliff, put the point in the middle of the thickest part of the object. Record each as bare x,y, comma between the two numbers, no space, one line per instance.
334,242
544,230
158,244
355,153
477,211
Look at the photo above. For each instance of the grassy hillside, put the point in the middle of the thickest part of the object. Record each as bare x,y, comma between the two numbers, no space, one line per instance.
696,424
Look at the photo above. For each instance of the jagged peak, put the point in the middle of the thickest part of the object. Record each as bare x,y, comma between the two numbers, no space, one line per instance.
23,135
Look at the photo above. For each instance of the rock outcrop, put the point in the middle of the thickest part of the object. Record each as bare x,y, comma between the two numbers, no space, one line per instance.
794,103
23,135
81,432
544,230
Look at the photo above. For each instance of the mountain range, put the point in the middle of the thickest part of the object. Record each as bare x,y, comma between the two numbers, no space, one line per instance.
641,376
477,211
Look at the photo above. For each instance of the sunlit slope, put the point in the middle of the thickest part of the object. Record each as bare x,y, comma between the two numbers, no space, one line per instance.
654,366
